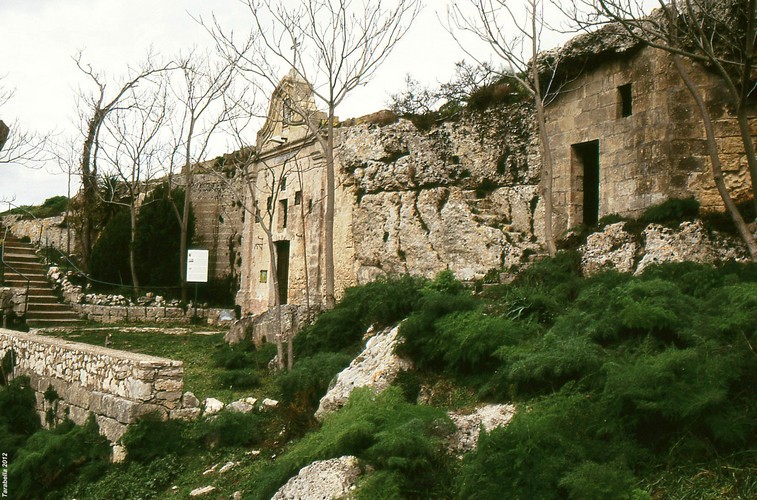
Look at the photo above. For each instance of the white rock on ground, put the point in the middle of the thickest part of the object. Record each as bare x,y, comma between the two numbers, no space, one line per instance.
469,426
376,367
227,467
269,404
211,406
240,406
333,478
205,490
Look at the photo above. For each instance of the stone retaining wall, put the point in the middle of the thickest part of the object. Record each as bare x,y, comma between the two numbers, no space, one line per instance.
152,314
117,386
49,231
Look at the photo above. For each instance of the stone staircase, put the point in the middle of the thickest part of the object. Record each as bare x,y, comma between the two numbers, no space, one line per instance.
44,308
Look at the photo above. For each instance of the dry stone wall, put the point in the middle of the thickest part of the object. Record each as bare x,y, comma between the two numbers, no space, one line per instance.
116,386
50,231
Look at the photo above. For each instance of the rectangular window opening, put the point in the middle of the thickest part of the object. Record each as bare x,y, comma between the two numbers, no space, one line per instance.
264,275
283,214
625,100
298,197
283,185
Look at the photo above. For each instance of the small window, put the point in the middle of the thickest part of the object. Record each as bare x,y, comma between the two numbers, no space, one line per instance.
264,276
268,204
283,209
286,117
625,100
283,185
298,197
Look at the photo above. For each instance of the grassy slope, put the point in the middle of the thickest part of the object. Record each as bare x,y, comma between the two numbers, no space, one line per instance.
653,368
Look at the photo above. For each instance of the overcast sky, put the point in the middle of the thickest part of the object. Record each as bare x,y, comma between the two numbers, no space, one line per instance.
39,38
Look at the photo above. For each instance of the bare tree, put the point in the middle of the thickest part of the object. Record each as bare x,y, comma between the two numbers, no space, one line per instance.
719,34
134,155
18,145
202,94
333,45
515,37
94,107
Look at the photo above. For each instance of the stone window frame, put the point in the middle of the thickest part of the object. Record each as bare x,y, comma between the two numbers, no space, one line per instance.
625,100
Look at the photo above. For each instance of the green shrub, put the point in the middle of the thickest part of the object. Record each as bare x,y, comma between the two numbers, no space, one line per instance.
383,484
673,210
302,387
382,302
157,242
152,437
593,480
231,429
109,261
439,298
18,407
383,430
547,364
541,453
130,480
50,459
238,379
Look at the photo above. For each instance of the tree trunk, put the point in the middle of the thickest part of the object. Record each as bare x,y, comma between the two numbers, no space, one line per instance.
89,185
546,150
717,172
132,249
328,230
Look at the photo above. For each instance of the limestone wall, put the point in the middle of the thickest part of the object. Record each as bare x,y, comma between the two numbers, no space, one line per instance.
462,196
117,386
50,231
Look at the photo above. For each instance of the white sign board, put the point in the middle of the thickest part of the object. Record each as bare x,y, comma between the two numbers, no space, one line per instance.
197,266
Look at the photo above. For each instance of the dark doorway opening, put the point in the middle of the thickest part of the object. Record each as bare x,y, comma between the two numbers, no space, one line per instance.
586,169
282,269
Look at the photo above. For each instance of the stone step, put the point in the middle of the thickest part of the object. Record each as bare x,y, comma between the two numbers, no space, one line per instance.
43,299
43,306
51,315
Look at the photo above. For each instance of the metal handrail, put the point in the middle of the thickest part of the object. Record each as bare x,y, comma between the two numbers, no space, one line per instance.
4,264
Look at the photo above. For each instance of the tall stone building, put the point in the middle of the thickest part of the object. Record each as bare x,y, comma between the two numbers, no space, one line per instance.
626,133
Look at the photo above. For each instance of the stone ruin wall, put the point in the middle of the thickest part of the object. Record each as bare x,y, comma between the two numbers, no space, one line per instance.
116,386
462,196
49,231
109,314
656,153
219,219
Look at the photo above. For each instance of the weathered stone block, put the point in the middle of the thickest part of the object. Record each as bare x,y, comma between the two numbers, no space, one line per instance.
185,414
110,428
